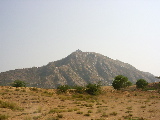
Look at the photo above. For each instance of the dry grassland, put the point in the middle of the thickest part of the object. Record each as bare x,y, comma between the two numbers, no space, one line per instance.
46,104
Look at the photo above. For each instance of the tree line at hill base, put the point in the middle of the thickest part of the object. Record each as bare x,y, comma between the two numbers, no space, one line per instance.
119,82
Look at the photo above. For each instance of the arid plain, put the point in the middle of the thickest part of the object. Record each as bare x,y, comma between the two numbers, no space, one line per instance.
26,103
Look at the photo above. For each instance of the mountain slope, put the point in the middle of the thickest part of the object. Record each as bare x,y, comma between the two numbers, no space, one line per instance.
78,68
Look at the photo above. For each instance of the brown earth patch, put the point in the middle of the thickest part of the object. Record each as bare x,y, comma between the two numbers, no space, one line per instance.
45,104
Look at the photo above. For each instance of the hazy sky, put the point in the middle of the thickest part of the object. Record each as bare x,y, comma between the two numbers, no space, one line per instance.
35,32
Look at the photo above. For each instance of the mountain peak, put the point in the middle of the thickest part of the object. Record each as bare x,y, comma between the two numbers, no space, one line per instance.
78,68
78,51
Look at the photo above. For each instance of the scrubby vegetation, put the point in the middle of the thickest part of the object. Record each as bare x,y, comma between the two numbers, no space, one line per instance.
79,89
92,89
119,101
45,104
9,105
18,83
141,83
3,117
121,81
63,88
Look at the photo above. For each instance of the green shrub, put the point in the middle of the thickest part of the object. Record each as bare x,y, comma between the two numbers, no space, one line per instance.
121,81
18,83
141,83
79,89
63,88
93,89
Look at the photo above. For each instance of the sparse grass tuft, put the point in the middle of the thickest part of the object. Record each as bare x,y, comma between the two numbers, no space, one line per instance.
98,103
3,117
33,89
9,105
70,110
52,118
104,115
75,109
151,110
113,113
147,100
47,94
129,108
63,97
27,118
55,110
79,112
128,117
87,114
36,117
143,106
87,105
39,110
90,111
129,111
23,90
76,102
59,115
17,89
99,110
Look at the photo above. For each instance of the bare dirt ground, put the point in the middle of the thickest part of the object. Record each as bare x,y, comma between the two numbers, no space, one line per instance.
46,104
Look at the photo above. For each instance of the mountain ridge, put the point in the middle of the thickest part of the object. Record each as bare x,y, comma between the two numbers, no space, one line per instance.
78,68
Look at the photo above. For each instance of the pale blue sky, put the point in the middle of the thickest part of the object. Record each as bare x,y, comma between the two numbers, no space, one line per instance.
35,32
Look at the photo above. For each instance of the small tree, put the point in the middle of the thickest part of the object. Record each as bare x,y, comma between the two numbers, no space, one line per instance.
93,89
63,88
121,81
18,83
141,83
129,83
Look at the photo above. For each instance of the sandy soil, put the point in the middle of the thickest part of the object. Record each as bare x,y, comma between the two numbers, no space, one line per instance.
46,104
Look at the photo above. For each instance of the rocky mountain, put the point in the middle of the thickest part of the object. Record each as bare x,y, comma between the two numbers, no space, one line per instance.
78,68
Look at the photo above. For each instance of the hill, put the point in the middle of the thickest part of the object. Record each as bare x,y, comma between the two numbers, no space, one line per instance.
78,68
